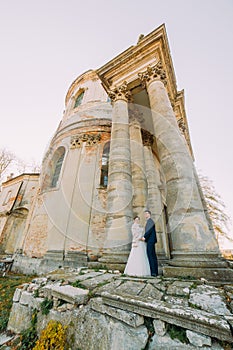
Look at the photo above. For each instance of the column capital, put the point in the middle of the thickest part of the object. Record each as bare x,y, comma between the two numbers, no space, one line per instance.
121,92
153,73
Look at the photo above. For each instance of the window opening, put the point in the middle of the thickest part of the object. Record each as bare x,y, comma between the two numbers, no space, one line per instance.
104,165
57,170
79,99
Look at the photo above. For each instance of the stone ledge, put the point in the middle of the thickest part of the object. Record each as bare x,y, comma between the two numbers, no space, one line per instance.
130,318
186,317
210,274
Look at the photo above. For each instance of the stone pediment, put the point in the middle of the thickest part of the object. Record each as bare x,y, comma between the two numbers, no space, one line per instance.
149,50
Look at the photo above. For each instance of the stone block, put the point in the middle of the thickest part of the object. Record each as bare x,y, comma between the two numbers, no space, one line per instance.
68,293
166,343
160,327
95,331
35,303
17,295
26,298
198,339
20,318
211,274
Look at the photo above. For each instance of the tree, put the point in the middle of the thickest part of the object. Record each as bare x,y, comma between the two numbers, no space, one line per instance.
216,209
6,160
11,164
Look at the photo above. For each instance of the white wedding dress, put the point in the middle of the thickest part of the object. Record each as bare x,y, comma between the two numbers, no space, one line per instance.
137,264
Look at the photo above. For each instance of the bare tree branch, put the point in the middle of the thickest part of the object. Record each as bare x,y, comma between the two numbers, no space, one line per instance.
6,159
216,208
9,163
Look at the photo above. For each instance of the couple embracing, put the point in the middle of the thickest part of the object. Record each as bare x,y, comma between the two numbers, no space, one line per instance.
142,259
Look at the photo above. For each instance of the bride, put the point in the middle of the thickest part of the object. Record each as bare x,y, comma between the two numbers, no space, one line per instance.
137,264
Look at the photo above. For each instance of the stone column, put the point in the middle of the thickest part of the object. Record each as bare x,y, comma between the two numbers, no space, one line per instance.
154,199
192,242
139,182
152,186
119,191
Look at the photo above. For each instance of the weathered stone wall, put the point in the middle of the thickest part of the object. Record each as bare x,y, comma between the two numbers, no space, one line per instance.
16,201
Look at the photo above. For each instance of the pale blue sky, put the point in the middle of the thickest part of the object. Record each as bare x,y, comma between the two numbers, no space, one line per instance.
46,44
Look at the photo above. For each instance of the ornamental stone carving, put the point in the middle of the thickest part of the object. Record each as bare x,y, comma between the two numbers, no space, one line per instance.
181,125
89,139
120,93
153,73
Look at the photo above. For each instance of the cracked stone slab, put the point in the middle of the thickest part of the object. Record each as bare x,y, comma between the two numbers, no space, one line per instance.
88,275
209,298
93,282
195,320
130,287
151,292
109,287
179,288
160,285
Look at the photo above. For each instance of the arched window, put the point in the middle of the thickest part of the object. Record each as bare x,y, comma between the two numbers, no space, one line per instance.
104,165
79,99
56,165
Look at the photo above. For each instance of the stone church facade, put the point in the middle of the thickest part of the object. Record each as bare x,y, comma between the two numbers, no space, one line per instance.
122,146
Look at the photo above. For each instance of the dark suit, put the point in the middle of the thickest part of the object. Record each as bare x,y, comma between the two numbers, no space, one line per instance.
151,239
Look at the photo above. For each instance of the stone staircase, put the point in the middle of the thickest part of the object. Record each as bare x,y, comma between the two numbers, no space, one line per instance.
107,310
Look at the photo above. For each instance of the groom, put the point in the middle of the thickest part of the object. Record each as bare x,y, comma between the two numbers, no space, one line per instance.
150,238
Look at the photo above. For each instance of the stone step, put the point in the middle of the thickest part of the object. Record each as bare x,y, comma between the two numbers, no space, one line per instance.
193,319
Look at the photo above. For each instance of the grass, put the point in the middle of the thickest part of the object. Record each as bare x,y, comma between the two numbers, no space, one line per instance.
78,284
177,332
8,285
